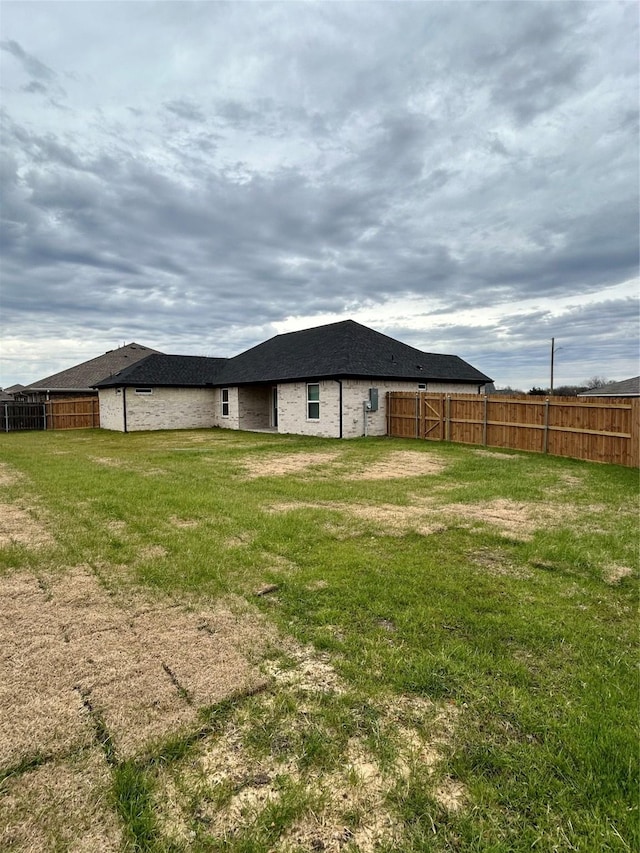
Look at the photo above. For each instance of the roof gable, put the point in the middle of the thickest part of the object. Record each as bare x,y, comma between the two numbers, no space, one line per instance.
160,369
342,349
86,375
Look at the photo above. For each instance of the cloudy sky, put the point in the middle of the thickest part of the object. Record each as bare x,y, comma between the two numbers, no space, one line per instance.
198,177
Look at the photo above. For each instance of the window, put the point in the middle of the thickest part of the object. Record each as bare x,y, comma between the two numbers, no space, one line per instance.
225,402
313,401
144,391
422,386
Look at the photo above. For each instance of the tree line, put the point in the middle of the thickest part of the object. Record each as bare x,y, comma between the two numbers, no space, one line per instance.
560,390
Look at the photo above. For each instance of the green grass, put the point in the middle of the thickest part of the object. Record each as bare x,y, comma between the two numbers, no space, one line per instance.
523,636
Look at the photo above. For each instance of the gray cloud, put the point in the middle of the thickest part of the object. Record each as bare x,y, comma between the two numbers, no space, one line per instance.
185,109
324,160
31,64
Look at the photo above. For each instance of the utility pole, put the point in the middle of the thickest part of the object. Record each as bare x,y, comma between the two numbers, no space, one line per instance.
553,343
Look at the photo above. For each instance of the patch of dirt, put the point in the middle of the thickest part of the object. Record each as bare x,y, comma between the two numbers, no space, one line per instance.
243,538
8,475
71,653
312,672
108,461
19,527
233,785
153,552
397,520
400,464
451,794
571,479
490,454
390,519
286,463
517,520
184,523
614,573
497,563
62,805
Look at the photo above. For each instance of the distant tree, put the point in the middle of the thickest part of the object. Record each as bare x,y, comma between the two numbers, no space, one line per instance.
568,390
596,382
538,392
508,390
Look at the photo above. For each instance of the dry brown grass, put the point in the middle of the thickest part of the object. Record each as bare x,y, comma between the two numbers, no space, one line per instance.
400,464
491,454
19,526
8,475
108,461
144,668
287,463
518,520
60,806
614,573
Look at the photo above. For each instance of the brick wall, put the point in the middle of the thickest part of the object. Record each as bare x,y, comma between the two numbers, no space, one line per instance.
111,409
164,408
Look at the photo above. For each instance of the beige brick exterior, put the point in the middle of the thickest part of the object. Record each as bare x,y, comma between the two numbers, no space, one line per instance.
251,407
292,406
111,409
164,408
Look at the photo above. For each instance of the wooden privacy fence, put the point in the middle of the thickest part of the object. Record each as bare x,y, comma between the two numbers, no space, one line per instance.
598,429
77,413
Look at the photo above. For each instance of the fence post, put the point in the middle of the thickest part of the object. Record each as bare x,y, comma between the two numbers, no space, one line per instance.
484,422
6,417
447,421
417,416
545,439
633,457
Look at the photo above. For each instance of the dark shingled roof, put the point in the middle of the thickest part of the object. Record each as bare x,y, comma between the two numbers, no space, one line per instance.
626,388
343,349
85,376
159,369
335,350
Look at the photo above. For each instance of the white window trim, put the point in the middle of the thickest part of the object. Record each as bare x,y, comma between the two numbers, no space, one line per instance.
315,385
224,402
144,392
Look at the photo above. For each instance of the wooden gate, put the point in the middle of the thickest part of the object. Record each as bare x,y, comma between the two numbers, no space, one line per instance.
433,418
78,413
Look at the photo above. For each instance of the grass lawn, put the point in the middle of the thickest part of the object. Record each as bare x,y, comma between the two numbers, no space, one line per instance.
216,640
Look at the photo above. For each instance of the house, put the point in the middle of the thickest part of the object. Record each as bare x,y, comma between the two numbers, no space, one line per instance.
14,389
626,388
80,381
329,381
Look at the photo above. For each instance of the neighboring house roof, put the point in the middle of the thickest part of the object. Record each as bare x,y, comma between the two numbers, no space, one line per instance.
343,349
159,369
5,397
336,350
626,388
13,389
83,377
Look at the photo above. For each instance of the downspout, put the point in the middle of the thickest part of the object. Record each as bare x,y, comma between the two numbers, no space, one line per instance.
339,381
124,407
